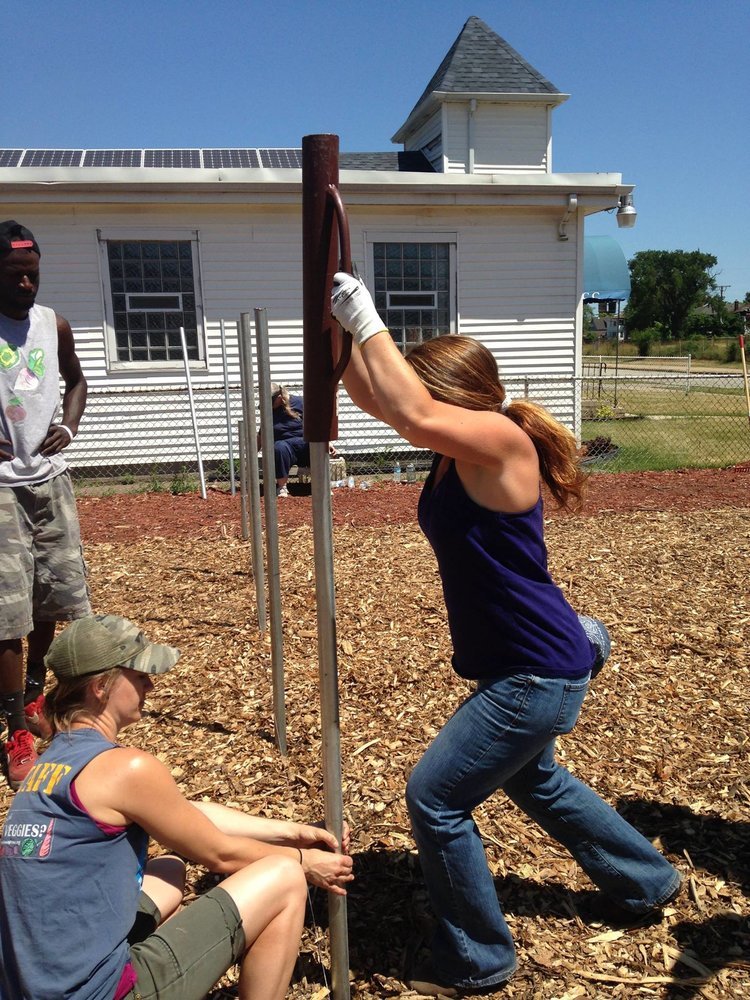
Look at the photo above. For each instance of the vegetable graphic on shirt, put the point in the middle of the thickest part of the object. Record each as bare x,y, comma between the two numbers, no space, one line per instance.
15,411
47,842
28,846
8,356
30,376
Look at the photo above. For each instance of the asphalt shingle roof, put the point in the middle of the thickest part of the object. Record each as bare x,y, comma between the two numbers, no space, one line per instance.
405,162
480,61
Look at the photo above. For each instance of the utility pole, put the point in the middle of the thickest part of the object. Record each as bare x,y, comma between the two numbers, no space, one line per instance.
722,289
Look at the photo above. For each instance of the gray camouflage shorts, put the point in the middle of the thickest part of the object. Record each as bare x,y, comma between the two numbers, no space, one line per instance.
41,560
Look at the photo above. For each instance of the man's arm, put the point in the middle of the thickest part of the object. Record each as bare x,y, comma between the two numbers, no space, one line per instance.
74,397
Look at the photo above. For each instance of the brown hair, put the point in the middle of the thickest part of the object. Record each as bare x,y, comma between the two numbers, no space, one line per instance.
68,700
462,371
281,390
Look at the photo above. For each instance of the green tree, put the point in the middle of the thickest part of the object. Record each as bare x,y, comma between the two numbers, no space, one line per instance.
666,285
589,329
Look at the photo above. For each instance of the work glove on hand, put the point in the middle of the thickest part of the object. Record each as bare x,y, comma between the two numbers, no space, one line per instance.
353,308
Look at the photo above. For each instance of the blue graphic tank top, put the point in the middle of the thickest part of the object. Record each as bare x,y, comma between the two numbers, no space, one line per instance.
68,890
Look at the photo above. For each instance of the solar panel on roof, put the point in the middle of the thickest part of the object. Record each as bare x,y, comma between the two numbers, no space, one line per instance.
52,158
187,158
172,158
112,158
281,157
214,158
10,157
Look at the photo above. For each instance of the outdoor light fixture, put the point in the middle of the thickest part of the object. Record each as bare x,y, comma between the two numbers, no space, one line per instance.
626,213
562,233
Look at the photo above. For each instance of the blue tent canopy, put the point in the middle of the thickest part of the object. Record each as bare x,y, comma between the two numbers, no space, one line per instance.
605,270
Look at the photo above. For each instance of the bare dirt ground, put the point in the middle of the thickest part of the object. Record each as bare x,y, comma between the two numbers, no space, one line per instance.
662,558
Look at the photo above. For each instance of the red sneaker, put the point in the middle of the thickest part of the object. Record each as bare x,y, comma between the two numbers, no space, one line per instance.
21,755
36,721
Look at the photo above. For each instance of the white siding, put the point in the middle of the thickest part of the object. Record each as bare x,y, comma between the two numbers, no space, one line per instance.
249,258
456,138
507,138
429,135
517,291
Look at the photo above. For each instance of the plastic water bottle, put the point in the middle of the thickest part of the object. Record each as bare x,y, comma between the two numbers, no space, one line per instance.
397,472
350,482
411,473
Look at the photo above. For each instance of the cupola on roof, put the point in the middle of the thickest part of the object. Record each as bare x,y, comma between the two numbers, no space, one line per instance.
481,62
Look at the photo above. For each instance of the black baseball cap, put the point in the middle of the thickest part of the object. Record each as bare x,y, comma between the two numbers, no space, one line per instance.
14,236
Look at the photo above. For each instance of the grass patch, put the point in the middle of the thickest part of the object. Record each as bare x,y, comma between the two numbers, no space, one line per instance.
668,424
672,442
667,398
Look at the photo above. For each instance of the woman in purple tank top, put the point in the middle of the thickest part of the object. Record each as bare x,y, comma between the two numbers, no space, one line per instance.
512,630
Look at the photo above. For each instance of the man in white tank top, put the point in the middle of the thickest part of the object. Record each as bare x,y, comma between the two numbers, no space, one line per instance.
41,561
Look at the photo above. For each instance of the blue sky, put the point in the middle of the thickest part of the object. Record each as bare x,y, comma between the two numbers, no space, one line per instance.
658,89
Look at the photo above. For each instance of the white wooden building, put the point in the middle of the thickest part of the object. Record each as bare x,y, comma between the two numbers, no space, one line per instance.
467,230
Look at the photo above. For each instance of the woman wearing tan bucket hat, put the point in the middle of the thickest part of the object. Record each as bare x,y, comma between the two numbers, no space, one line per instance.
81,914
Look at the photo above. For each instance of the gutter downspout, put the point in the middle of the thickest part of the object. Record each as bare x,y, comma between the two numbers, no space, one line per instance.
472,133
549,139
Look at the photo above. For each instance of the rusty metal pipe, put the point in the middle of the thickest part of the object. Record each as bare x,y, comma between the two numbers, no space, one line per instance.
325,356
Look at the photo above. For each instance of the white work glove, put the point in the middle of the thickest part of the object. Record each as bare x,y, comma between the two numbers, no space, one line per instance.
353,308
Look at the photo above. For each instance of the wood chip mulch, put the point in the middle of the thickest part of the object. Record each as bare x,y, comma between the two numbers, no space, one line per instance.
663,734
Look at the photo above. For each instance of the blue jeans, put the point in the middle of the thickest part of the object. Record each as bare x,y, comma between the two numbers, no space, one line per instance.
503,736
291,451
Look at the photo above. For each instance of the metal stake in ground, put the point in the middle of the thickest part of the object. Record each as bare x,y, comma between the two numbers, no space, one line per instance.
243,480
192,412
321,205
227,405
272,525
251,464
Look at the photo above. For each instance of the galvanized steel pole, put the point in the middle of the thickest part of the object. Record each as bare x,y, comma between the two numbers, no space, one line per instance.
251,465
227,405
243,480
272,525
192,412
320,205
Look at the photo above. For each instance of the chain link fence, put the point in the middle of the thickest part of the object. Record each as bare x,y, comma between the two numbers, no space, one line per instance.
631,419
640,419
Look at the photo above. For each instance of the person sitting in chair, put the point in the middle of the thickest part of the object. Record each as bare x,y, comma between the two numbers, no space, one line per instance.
290,447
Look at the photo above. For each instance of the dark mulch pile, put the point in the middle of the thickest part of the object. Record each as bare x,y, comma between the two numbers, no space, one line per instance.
128,516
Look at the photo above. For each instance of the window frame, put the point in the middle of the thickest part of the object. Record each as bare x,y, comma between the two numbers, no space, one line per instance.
144,235
401,236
